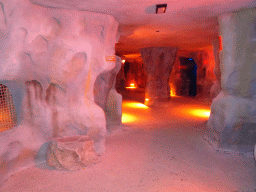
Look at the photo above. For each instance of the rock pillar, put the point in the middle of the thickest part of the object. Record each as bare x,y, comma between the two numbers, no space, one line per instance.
216,88
233,112
106,96
158,63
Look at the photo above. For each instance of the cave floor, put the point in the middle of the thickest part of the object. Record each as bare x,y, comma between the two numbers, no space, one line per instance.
158,150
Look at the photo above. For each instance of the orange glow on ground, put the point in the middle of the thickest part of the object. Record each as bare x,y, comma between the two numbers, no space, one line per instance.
138,113
127,118
135,105
200,112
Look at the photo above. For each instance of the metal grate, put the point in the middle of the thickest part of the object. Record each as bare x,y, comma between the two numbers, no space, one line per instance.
8,116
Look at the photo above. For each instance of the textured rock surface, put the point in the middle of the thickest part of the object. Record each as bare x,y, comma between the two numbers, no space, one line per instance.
71,153
232,123
106,96
50,59
158,62
216,88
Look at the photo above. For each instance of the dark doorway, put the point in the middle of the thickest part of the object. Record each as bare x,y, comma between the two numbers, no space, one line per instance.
188,72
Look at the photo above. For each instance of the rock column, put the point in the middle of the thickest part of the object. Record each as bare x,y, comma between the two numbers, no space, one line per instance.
216,88
233,112
158,63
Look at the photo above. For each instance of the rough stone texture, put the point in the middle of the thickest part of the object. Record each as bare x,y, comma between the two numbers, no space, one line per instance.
71,153
216,88
158,63
106,96
232,123
50,59
255,154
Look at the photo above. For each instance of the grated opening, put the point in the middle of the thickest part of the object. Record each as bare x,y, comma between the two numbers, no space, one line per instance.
8,116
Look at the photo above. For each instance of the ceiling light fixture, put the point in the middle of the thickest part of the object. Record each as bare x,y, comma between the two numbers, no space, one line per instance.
161,8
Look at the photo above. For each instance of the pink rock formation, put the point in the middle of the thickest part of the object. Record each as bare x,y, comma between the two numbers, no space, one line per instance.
233,112
158,63
50,60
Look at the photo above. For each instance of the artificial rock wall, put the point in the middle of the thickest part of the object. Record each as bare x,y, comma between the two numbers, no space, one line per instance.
232,123
158,63
106,96
50,60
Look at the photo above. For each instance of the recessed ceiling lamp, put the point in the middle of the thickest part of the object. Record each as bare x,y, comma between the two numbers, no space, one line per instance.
161,8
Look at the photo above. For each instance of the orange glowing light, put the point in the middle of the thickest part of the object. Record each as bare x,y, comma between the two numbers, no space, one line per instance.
147,99
127,118
220,43
6,121
200,113
132,86
135,105
173,91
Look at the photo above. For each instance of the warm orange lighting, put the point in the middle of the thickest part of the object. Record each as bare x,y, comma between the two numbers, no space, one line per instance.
201,113
173,90
6,121
127,118
220,43
172,93
135,105
123,61
132,86
146,99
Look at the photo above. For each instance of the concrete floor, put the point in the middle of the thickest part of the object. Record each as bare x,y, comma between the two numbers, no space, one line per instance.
160,149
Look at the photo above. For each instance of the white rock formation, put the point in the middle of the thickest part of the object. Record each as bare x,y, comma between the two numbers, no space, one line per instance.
49,60
233,112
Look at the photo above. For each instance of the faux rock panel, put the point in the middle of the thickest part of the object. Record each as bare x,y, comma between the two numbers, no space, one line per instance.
49,60
106,96
233,112
158,62
216,88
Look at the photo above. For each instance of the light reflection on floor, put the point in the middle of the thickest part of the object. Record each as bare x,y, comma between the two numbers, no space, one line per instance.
134,105
200,113
126,118
138,112
162,150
